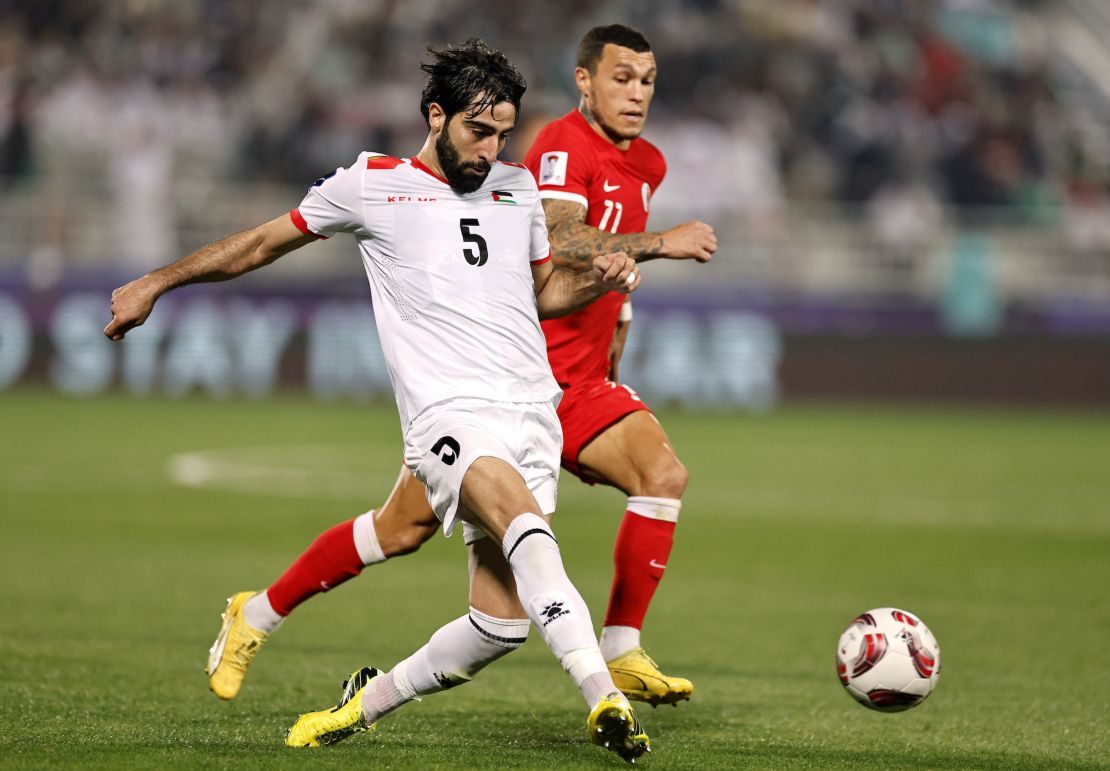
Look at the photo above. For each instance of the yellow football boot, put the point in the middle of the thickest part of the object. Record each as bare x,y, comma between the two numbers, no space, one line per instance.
639,678
613,725
234,649
329,726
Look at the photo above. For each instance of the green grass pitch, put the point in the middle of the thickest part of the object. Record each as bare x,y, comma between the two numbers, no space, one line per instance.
993,525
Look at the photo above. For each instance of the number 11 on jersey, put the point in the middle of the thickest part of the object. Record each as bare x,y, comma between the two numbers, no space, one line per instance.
610,206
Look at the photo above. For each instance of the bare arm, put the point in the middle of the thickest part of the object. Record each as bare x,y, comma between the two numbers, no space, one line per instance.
560,291
574,243
225,259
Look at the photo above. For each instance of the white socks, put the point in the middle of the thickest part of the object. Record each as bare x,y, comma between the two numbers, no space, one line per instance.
553,604
382,697
454,654
461,649
617,640
259,613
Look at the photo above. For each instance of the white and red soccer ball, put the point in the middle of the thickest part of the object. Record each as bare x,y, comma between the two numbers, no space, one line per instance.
888,660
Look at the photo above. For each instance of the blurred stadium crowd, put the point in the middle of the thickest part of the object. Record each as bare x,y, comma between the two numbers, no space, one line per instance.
904,112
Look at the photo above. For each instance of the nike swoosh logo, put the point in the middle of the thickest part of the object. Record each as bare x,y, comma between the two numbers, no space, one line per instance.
655,564
608,189
216,652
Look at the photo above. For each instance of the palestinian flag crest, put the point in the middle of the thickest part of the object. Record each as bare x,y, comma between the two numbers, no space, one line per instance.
503,196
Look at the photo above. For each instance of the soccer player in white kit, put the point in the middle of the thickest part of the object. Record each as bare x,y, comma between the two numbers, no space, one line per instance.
454,244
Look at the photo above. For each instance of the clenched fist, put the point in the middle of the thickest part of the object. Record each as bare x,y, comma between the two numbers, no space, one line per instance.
690,240
617,272
131,304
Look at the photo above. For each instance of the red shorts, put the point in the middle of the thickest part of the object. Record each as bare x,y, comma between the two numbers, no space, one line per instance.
587,409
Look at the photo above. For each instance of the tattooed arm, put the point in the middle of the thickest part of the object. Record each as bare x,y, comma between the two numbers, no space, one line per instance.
574,244
559,291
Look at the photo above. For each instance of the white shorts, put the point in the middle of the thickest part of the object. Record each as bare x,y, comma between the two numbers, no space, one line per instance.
445,439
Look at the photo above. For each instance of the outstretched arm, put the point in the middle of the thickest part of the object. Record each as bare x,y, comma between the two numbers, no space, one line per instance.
225,259
560,291
574,243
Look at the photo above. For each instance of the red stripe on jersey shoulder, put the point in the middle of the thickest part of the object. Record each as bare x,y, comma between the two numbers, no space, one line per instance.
299,221
418,164
518,165
542,260
383,162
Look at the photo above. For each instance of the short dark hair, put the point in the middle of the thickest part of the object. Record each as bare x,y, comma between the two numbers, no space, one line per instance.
470,77
593,44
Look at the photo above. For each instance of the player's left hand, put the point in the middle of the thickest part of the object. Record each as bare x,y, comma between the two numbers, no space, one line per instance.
617,272
131,305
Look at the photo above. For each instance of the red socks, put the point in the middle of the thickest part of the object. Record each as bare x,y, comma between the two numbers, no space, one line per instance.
329,561
640,557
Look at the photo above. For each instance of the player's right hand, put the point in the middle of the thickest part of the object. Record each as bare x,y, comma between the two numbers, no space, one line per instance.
617,272
690,241
131,304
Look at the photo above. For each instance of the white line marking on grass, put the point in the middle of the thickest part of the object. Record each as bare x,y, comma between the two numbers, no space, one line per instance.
355,473
307,471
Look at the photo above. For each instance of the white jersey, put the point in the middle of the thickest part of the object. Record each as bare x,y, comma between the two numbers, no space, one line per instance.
450,276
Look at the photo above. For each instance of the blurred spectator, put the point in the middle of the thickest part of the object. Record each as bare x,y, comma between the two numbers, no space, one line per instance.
525,133
1087,214
904,217
141,172
758,101
15,138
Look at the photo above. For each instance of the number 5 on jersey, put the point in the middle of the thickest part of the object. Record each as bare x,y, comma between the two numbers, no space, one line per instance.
479,258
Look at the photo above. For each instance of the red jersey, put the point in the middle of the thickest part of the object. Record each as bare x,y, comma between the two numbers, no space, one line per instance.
571,162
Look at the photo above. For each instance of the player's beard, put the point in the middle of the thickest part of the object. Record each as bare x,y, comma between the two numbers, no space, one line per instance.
589,109
460,180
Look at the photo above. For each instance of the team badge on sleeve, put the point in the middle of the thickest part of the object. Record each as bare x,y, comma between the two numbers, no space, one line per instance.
553,168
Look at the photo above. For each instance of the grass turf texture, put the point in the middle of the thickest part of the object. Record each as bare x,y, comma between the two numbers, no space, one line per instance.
992,525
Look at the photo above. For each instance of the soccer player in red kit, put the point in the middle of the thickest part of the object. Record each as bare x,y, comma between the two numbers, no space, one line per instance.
596,177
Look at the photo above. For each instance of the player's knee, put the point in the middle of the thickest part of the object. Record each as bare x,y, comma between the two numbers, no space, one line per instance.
665,480
495,490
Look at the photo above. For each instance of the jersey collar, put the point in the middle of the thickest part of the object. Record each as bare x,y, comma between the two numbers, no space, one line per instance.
417,163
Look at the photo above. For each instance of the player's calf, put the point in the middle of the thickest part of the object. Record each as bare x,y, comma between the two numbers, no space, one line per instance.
454,655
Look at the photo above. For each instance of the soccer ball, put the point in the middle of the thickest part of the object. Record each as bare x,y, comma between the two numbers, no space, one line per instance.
888,660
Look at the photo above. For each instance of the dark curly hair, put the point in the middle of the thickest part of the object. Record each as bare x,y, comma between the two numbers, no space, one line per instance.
470,77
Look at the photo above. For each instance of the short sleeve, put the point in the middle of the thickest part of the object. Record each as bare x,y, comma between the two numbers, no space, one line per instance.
561,164
333,204
540,250
658,167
